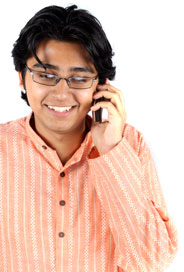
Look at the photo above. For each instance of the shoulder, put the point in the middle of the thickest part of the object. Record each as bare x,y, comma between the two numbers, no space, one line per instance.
135,139
10,128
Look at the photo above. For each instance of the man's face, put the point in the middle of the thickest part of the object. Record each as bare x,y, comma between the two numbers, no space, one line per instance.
67,60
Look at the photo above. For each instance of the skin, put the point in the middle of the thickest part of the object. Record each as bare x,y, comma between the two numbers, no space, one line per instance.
109,133
66,133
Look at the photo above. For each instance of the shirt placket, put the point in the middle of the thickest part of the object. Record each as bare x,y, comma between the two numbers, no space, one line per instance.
61,223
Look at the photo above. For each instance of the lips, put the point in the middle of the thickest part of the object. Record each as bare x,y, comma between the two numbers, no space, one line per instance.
60,109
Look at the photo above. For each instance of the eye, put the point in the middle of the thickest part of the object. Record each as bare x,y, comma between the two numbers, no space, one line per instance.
45,75
79,79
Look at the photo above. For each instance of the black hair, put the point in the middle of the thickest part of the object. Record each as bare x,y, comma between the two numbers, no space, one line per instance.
64,24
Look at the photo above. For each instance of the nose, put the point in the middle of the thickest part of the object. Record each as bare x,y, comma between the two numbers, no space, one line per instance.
62,78
61,89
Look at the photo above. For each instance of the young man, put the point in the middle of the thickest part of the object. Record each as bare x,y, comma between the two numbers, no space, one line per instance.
76,194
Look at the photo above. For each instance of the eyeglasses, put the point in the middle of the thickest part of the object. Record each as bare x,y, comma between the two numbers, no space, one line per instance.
75,82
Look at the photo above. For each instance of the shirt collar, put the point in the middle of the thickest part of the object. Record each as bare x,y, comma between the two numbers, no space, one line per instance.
81,153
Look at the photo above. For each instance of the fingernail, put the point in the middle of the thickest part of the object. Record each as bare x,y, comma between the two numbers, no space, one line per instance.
93,107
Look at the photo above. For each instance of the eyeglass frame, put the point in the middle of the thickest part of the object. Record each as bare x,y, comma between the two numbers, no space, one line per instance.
58,78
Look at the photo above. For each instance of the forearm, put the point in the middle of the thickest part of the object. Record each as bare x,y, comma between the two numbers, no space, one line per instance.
144,234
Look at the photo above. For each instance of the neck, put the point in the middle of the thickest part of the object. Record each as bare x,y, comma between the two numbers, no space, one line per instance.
65,144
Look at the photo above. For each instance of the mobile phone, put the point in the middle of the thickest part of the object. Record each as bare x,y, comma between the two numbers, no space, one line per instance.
97,115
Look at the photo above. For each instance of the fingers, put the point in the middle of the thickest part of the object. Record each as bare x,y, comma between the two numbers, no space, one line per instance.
105,105
114,99
109,96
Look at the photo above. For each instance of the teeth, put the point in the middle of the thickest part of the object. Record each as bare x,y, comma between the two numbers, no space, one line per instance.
60,109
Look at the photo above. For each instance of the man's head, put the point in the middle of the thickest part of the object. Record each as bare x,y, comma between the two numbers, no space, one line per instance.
64,24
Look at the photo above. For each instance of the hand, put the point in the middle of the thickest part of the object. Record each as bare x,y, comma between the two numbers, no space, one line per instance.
108,133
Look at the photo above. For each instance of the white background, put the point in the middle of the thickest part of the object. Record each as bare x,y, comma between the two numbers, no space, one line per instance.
148,40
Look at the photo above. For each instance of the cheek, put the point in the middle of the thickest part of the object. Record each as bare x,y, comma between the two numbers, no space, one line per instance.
85,98
35,97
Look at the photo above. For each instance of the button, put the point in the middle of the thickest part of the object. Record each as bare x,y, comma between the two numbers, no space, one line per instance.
61,234
44,147
62,174
62,202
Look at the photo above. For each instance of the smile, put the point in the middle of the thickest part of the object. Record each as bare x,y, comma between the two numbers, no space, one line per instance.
59,109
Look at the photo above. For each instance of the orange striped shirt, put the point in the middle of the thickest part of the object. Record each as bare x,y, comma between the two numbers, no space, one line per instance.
94,214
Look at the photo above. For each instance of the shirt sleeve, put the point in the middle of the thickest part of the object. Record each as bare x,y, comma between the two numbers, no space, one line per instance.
128,188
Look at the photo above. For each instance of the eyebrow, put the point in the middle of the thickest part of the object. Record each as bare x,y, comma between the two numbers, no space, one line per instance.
72,69
46,65
82,69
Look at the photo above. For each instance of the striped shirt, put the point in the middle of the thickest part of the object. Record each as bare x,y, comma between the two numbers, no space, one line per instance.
94,214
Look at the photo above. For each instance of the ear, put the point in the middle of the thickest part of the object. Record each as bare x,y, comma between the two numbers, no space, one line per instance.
107,81
20,81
